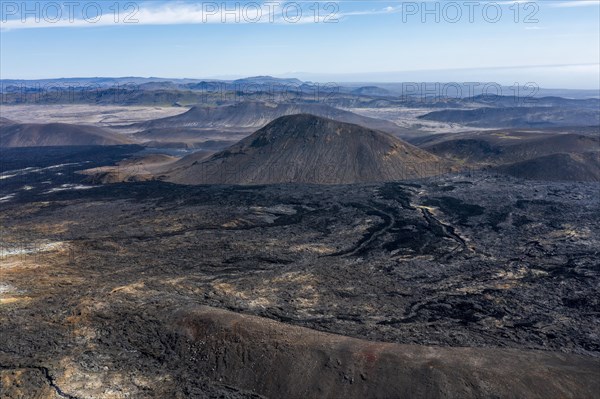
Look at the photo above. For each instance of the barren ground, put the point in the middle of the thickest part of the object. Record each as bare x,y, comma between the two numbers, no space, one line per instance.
99,115
91,278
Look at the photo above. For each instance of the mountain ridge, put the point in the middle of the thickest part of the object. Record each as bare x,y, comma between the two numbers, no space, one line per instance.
254,115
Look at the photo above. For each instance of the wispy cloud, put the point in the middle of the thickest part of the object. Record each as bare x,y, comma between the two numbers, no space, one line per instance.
175,13
183,13
576,3
267,12
512,2
379,11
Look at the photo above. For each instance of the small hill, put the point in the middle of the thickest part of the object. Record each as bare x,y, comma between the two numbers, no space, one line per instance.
249,116
311,149
189,135
178,133
371,91
557,167
517,117
467,150
6,122
190,138
502,147
57,134
136,169
491,100
183,165
279,360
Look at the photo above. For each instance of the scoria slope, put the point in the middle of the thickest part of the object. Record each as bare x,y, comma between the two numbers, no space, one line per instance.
310,149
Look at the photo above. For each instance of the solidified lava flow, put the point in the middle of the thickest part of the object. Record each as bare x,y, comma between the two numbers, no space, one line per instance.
92,279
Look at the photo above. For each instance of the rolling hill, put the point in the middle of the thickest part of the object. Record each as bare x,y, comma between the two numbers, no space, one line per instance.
56,134
6,122
557,167
503,147
189,137
249,116
548,154
517,117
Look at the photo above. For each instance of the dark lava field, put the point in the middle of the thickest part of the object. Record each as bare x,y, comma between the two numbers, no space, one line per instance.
105,289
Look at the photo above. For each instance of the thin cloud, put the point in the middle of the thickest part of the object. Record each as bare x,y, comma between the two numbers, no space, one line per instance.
173,14
180,13
386,10
576,3
512,2
167,14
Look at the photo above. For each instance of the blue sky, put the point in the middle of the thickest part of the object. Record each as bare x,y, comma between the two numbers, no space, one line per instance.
362,41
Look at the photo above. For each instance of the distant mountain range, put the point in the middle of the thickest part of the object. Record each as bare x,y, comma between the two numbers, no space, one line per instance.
409,88
110,81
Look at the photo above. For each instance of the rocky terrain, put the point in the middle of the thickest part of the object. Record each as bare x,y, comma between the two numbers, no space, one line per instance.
284,361
136,289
